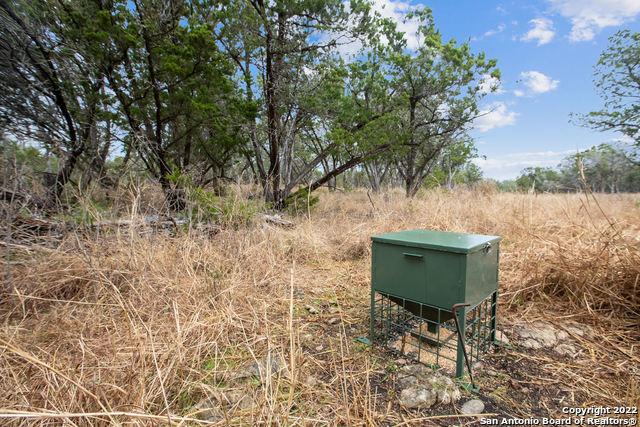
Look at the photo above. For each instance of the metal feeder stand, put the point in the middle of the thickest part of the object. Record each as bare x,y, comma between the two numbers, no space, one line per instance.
434,296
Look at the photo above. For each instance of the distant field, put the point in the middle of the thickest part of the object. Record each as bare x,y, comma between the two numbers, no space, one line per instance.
128,324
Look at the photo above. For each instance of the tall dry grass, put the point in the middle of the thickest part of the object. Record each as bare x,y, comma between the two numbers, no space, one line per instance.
117,327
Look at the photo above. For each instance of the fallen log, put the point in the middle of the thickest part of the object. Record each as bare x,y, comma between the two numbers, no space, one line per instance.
11,196
277,220
154,223
37,225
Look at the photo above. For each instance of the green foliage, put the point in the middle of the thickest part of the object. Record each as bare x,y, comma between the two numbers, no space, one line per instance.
199,90
52,91
23,156
605,168
454,166
617,77
436,92
85,210
173,94
301,200
188,398
238,211
209,365
508,185
204,205
538,179
471,173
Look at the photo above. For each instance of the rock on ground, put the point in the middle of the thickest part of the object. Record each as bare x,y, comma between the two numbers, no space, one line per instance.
501,338
213,407
537,335
207,410
418,397
474,406
270,365
225,401
422,387
310,381
277,220
565,350
311,309
579,329
541,334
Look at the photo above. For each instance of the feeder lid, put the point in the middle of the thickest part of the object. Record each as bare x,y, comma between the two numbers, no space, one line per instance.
438,240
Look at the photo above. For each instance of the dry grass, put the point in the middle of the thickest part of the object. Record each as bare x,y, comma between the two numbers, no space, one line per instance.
118,328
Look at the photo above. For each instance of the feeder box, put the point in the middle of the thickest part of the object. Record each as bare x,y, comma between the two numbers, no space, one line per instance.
417,276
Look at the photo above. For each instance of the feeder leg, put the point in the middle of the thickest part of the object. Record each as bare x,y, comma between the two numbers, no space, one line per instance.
462,319
373,314
494,315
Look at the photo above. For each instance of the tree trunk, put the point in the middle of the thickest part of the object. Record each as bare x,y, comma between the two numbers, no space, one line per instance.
273,61
175,197
260,174
375,174
186,155
411,186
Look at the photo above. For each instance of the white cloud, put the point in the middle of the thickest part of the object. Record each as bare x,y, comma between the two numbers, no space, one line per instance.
623,139
347,48
490,85
590,16
494,116
501,163
491,32
518,92
498,30
542,31
540,154
509,166
536,83
443,110
396,11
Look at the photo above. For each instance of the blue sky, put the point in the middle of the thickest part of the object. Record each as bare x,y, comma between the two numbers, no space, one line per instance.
546,51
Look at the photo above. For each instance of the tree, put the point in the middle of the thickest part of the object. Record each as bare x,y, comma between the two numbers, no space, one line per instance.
320,116
377,169
538,179
471,173
454,165
284,51
52,78
196,88
617,79
401,105
605,169
439,87
174,90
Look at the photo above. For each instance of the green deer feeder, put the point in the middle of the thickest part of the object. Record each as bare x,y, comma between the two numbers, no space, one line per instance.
434,296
